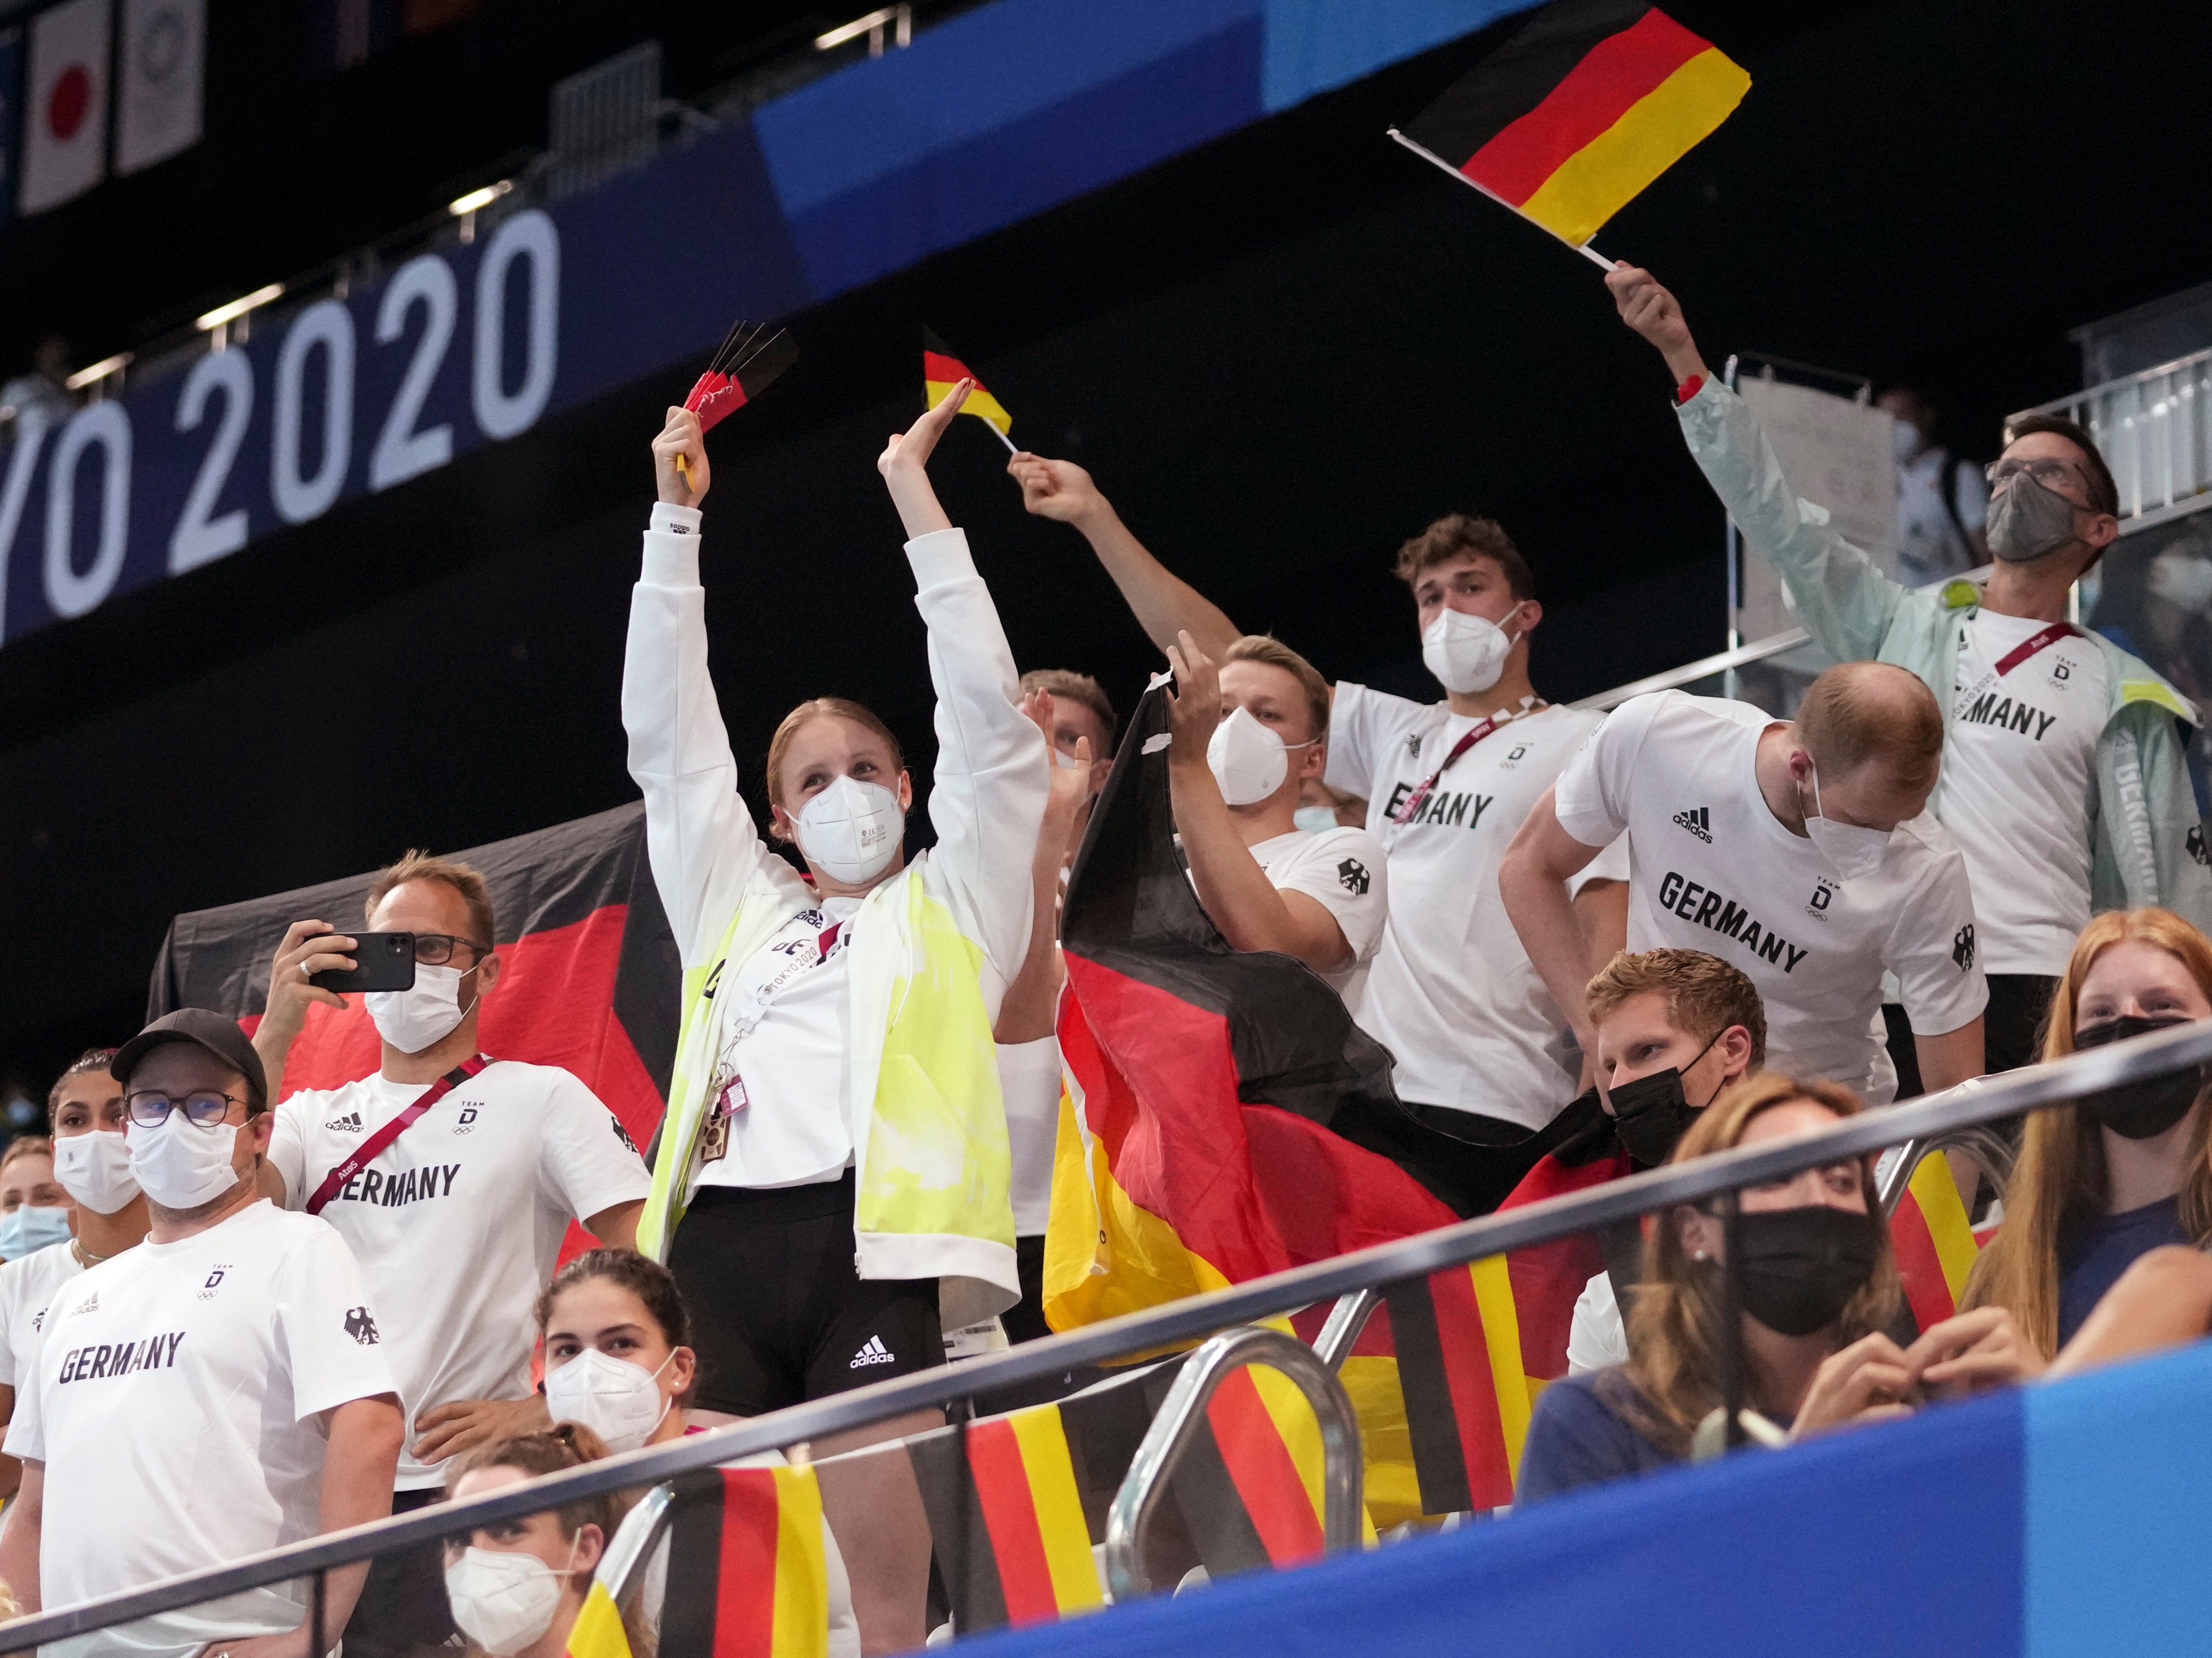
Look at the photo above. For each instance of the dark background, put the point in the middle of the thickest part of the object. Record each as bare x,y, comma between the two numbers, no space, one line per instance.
1281,355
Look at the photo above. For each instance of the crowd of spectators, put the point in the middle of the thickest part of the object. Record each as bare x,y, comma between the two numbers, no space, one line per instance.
232,1317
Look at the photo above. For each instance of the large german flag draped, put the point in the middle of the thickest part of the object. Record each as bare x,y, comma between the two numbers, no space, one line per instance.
1579,112
748,1576
590,982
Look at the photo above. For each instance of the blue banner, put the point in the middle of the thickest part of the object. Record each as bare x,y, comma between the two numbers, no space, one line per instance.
999,113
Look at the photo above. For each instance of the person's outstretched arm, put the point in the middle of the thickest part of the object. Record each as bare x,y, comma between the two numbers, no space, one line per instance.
700,834
1252,912
988,789
1032,1000
1164,604
1845,603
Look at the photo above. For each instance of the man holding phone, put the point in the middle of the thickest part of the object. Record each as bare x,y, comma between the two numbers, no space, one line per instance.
453,1177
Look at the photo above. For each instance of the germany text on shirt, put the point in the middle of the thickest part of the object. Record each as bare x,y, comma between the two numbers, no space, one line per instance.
1715,869
458,1222
174,1399
2020,756
1452,994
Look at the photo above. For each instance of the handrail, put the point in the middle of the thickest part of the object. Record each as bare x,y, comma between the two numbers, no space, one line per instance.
1983,1100
1703,668
1345,1320
1986,1145
1343,1473
631,1546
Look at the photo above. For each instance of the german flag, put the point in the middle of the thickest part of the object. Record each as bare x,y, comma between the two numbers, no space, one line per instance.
590,984
941,371
1007,1517
1579,112
1936,1246
597,1632
748,1576
747,359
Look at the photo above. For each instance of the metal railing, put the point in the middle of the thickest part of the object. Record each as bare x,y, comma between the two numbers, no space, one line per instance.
1970,1104
2154,430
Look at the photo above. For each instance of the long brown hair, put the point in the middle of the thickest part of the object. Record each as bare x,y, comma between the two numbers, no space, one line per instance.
1672,1381
2060,1184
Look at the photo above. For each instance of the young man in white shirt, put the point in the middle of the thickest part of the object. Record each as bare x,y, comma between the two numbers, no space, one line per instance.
2063,781
452,1179
1942,502
1484,1054
1796,851
108,1216
219,1391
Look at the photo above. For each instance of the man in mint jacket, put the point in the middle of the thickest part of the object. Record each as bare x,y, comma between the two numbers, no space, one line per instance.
2063,781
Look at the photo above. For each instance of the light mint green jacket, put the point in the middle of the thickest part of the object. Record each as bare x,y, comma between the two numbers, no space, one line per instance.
2146,841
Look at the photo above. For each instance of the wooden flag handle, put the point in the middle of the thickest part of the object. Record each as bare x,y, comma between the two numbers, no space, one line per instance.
1435,160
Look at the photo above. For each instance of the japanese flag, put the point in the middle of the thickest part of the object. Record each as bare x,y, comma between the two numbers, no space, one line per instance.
65,105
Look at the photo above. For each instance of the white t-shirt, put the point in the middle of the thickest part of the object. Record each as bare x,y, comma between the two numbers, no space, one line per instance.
792,1055
1452,994
174,1399
2019,766
27,1287
1029,1076
1596,1339
1928,544
1715,870
1342,868
457,1222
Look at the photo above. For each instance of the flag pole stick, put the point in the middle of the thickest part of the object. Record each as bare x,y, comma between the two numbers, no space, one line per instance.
1002,437
1435,160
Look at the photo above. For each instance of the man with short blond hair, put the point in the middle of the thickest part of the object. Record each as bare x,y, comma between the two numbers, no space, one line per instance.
453,1176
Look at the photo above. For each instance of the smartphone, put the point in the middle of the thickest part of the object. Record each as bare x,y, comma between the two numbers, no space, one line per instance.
385,962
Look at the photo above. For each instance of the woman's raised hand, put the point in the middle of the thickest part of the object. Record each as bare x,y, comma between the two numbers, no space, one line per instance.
905,465
680,437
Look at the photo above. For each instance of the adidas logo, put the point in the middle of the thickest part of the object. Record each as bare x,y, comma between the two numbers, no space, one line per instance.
872,1353
1698,821
349,1123
89,1304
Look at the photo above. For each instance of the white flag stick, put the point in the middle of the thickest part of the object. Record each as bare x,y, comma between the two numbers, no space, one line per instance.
1002,437
1431,156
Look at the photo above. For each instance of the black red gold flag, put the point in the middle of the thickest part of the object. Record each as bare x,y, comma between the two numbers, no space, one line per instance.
1579,112
941,371
748,1575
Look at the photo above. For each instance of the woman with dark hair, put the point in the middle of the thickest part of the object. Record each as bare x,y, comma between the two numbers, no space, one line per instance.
516,1585
618,1361
2107,1179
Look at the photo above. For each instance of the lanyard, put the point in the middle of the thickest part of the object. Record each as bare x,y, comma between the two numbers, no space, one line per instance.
2012,659
726,1089
373,1147
1412,804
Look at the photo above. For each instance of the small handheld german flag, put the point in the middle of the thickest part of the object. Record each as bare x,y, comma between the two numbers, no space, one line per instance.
739,371
1573,117
941,371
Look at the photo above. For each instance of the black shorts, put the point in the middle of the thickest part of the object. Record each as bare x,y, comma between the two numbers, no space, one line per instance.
779,1315
402,1611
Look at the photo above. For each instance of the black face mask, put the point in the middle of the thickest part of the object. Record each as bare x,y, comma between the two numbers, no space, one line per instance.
1800,1267
1651,1114
2140,1110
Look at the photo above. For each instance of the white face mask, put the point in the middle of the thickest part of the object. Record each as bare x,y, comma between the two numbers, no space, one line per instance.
1467,653
851,831
181,1165
503,1601
619,1401
418,1020
1314,820
1248,759
1853,851
1904,438
94,1169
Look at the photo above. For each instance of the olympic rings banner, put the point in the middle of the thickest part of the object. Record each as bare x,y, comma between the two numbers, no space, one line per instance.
999,113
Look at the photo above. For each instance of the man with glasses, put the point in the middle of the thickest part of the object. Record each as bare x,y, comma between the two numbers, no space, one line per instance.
219,1391
2063,781
453,1176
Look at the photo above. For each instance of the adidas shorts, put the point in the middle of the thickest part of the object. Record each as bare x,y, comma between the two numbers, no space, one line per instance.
778,1314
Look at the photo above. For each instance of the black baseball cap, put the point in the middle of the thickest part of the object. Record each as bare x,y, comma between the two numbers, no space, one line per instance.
218,1034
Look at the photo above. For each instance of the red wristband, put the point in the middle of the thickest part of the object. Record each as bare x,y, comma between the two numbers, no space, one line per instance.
1688,389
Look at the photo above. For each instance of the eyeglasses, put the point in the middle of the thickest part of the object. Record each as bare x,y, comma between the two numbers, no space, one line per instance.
202,1110
436,949
2047,472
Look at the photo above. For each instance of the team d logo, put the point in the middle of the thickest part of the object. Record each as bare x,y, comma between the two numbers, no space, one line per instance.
1824,894
361,1325
214,1282
1962,947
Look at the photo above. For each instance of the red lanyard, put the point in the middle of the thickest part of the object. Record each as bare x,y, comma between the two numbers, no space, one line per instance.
1413,802
2041,640
373,1147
